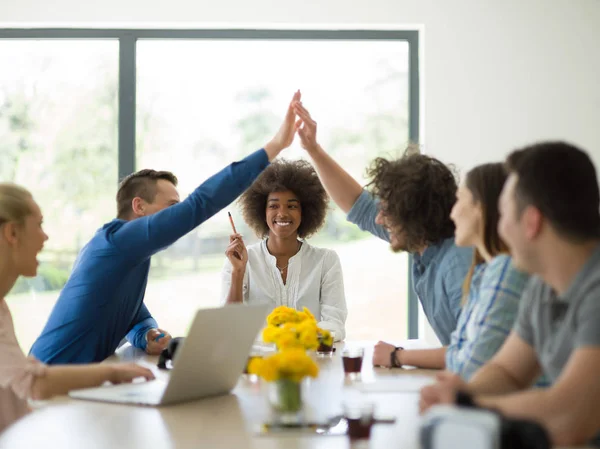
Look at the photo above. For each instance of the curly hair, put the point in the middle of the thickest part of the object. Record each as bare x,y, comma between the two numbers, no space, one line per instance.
417,192
297,176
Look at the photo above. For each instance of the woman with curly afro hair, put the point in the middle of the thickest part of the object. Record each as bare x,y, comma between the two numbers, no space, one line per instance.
284,206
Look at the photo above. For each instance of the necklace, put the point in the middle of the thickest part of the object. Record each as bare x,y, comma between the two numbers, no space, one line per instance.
282,269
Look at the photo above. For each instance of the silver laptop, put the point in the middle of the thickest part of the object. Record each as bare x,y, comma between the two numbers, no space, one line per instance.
208,363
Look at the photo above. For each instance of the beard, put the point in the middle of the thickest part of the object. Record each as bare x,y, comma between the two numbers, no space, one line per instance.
397,245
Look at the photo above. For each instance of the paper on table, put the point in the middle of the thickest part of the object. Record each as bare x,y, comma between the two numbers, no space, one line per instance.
401,384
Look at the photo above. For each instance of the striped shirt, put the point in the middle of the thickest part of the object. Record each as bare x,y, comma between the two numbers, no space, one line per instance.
488,316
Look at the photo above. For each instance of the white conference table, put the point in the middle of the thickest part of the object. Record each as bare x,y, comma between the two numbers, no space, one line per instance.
229,421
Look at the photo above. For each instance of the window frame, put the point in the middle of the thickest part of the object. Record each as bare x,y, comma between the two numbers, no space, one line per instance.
127,81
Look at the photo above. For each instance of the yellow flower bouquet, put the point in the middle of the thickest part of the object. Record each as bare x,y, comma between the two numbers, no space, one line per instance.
285,369
290,328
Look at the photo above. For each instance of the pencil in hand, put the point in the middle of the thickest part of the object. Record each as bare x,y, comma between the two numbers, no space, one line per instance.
231,221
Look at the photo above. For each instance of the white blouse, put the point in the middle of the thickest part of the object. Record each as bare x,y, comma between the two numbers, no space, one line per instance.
314,280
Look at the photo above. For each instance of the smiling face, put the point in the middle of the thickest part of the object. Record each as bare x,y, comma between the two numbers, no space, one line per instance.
519,229
166,196
25,240
283,214
397,237
467,215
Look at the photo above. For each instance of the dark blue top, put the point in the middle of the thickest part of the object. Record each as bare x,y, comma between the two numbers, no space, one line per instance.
103,300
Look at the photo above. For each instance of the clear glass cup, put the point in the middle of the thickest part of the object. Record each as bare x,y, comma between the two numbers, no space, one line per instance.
360,418
352,358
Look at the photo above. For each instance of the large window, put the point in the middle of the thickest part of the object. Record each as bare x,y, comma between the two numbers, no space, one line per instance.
58,137
200,104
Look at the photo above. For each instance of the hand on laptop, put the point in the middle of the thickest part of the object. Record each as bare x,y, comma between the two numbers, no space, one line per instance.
158,339
126,372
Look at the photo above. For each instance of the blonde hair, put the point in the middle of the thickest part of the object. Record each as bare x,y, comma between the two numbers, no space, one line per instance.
14,203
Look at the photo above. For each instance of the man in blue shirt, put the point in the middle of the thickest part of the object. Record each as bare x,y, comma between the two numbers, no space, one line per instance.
415,195
103,300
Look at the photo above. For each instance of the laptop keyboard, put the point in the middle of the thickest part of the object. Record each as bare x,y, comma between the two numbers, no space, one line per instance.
137,393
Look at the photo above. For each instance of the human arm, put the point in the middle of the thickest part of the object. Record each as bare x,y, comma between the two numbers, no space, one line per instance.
234,270
420,358
59,380
332,298
142,323
343,189
144,236
515,367
27,377
568,409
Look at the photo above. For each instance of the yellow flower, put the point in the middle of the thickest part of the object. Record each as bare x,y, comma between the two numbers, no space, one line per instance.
283,315
266,368
325,337
288,328
293,364
288,340
271,334
308,334
306,315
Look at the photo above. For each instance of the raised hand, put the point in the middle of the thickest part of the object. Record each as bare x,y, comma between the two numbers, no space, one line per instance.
307,128
285,135
236,252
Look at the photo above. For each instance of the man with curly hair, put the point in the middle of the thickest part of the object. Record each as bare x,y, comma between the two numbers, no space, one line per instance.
284,206
409,206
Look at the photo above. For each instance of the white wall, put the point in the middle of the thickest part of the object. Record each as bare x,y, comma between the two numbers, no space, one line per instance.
496,75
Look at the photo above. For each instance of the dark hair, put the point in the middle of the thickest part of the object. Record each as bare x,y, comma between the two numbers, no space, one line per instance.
560,180
140,184
485,182
418,193
296,176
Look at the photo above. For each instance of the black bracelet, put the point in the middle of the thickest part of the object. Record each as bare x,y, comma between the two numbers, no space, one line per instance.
464,399
393,362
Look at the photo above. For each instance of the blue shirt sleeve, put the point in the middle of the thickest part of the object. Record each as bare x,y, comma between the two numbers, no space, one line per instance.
143,323
497,304
145,236
454,279
363,214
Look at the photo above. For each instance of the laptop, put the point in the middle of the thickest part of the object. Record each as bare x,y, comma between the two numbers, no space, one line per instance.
208,363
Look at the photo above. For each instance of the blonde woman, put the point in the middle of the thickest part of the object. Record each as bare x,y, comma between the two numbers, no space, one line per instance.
22,378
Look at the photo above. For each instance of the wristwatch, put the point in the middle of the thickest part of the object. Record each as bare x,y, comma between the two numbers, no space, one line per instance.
393,361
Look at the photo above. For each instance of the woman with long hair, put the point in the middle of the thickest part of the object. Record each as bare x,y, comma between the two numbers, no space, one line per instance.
21,378
491,290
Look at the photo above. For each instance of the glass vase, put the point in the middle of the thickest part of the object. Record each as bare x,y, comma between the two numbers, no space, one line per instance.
285,398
